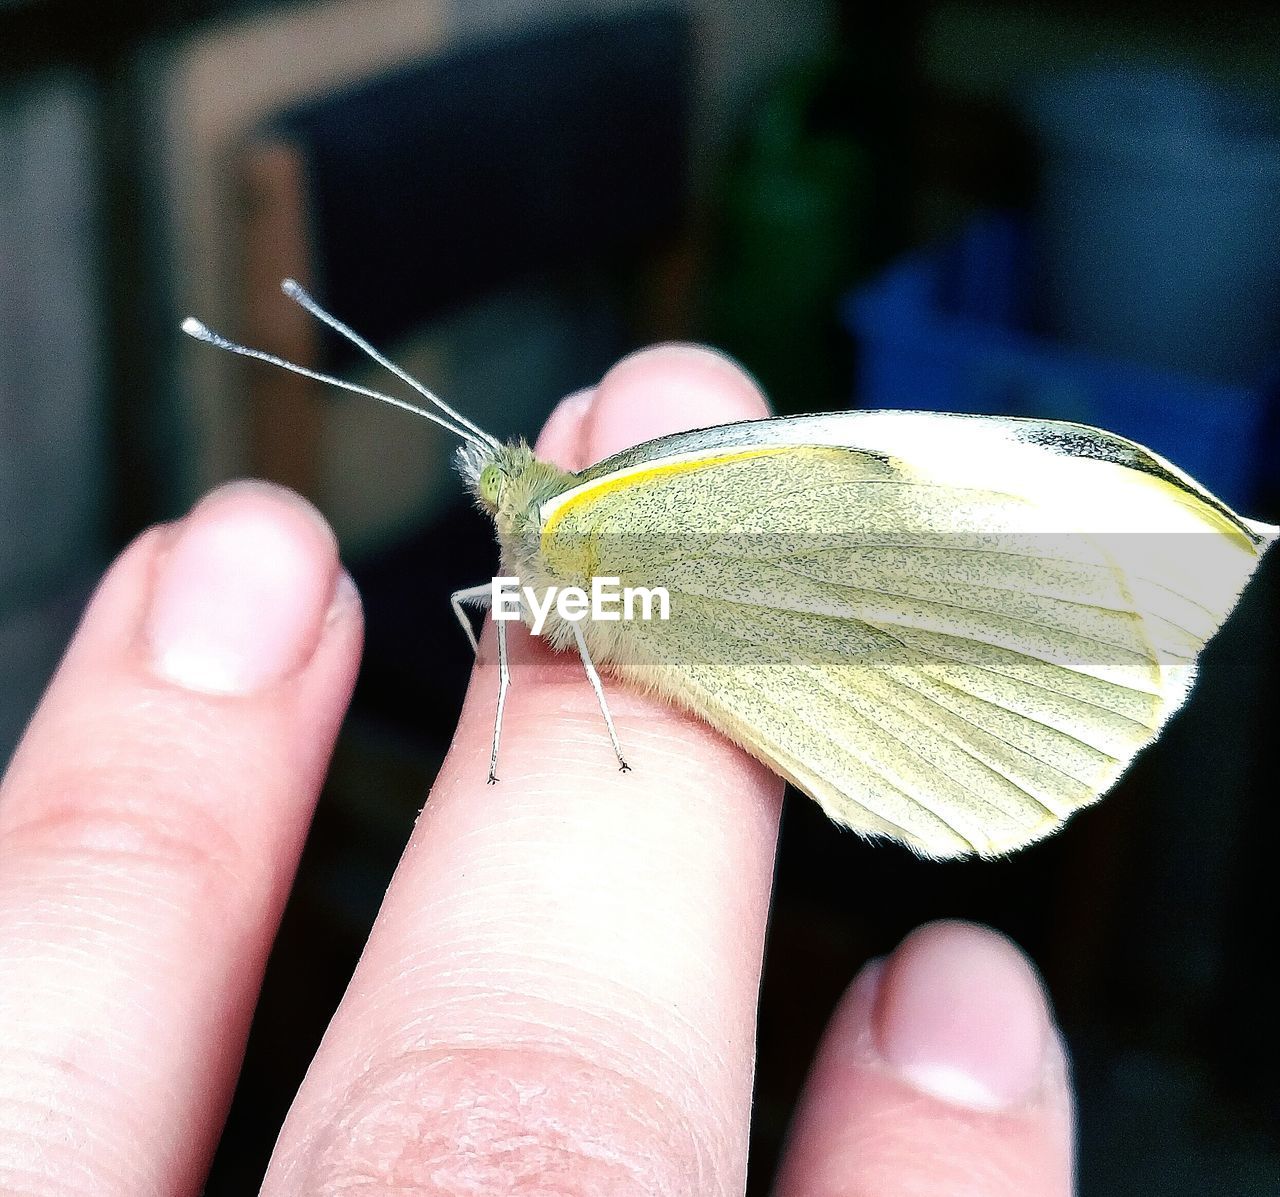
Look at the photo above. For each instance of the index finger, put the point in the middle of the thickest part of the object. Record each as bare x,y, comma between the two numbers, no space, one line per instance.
560,990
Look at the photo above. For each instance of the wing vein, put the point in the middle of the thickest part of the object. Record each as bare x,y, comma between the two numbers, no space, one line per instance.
901,710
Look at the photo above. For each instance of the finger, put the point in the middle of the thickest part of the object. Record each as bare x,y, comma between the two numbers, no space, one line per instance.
941,1073
559,994
149,827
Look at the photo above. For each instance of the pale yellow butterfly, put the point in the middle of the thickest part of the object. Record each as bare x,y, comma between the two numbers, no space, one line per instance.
954,631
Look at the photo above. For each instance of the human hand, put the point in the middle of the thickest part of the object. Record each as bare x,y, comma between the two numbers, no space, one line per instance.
559,993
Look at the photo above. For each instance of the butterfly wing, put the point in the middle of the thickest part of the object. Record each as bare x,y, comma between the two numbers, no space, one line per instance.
954,631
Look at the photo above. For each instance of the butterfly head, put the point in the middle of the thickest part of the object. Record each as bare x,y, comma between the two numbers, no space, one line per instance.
508,482
491,473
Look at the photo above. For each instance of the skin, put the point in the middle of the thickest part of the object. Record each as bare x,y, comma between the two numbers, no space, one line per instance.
559,994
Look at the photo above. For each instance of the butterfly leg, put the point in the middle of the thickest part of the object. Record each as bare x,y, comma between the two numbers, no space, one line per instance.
504,681
594,678
481,596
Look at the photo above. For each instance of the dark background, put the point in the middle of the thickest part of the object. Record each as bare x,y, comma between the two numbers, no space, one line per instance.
906,208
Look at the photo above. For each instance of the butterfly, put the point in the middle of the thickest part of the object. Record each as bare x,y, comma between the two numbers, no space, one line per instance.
952,631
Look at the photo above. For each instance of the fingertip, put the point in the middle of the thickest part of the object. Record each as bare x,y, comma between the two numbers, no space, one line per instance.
561,439
278,511
941,1071
963,1016
665,389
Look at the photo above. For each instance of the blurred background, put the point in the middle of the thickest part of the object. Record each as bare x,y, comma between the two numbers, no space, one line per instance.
1046,208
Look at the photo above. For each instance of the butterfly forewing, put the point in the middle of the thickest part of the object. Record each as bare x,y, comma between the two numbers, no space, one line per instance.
953,632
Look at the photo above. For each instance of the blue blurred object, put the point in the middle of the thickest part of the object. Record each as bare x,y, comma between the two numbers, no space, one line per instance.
949,329
1157,213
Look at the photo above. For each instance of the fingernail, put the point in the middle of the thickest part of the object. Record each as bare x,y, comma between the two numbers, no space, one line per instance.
961,1016
241,596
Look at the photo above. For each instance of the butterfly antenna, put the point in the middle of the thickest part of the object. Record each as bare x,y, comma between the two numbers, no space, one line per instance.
201,332
295,291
